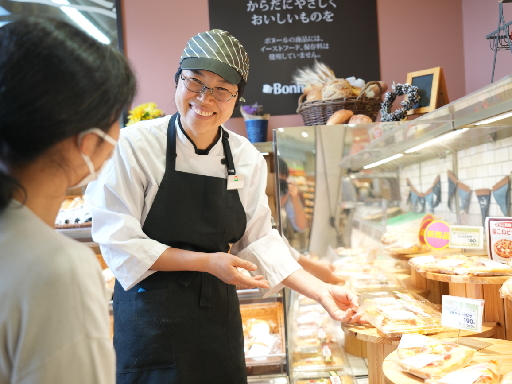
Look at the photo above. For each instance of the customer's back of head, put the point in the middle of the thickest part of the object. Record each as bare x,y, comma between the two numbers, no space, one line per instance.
55,82
61,94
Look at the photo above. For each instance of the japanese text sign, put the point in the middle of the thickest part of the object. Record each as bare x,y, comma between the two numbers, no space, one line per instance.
437,234
462,313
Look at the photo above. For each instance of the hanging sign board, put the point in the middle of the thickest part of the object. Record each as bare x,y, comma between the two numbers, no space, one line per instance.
282,36
466,236
437,234
462,313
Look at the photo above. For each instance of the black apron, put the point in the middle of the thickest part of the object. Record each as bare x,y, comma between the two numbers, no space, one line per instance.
184,327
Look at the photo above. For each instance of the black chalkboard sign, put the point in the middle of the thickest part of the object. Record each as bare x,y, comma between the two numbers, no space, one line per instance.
424,83
282,36
432,90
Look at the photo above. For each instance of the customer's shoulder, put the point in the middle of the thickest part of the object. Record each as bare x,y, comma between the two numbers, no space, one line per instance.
146,130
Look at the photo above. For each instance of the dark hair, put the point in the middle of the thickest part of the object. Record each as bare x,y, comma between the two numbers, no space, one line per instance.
241,85
55,82
282,167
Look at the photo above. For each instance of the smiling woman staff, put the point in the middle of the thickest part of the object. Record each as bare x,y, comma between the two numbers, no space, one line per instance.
166,218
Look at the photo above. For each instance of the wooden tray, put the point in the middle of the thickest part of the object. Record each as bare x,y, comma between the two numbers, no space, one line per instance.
371,334
445,251
465,279
500,349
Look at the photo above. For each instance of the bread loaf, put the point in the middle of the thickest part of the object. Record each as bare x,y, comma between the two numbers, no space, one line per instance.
340,117
360,119
337,89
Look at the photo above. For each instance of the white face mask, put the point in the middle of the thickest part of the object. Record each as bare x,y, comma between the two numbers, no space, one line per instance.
93,174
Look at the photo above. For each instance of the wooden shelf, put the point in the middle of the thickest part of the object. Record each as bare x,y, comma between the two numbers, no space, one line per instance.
372,335
499,349
465,279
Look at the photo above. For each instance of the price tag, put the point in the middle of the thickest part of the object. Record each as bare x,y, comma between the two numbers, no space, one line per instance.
466,236
437,234
462,313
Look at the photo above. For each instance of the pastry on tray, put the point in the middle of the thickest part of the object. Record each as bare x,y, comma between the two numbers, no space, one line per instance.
73,213
435,359
506,289
339,380
460,265
395,313
483,373
362,282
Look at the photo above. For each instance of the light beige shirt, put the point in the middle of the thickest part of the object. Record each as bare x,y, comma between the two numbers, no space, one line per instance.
54,323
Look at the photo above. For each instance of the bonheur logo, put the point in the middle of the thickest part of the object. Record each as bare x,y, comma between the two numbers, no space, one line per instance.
279,89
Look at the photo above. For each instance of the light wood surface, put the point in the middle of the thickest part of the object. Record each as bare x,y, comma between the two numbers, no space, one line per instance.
406,281
380,345
499,349
355,347
444,251
436,289
463,279
373,335
479,287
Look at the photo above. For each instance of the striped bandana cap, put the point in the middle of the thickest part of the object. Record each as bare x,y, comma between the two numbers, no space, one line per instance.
218,52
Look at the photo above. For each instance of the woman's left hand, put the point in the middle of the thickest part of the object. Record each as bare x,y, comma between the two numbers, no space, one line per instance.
341,304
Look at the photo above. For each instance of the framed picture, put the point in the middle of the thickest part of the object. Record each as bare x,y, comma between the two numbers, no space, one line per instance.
432,90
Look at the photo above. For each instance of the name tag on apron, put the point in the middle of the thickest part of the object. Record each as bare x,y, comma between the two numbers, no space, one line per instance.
235,181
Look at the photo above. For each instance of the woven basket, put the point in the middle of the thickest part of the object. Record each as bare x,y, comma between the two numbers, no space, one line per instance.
317,112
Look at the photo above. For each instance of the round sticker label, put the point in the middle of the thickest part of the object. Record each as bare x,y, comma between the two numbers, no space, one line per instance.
437,234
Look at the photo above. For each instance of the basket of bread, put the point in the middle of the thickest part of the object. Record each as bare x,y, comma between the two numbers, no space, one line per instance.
328,100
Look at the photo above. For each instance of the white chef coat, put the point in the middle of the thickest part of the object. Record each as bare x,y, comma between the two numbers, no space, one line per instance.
54,324
122,196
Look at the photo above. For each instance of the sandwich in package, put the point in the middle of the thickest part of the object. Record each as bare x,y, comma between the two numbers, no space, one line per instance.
483,373
506,289
460,265
364,282
400,312
430,358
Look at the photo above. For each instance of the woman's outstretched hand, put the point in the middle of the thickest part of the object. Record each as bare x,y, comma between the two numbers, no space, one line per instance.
341,304
224,266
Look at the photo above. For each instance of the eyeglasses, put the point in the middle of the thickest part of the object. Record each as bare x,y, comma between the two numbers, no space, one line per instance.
197,86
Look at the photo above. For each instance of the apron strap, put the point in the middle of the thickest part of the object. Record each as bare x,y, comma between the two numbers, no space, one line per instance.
186,277
170,158
227,151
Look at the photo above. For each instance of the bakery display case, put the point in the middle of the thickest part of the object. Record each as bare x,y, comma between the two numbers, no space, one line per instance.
264,335
373,197
314,342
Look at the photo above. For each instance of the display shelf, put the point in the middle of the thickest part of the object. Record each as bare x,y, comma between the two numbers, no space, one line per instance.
379,345
400,140
268,379
82,234
398,137
264,147
371,334
501,350
465,279
481,287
